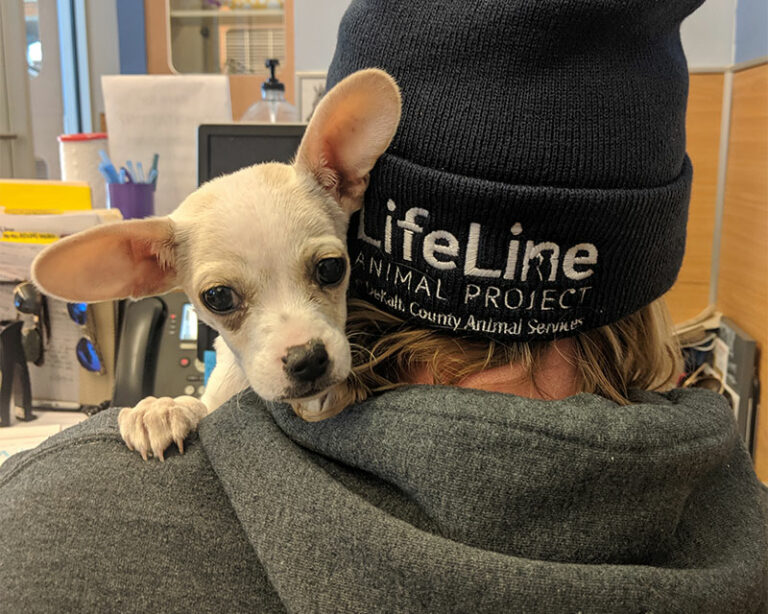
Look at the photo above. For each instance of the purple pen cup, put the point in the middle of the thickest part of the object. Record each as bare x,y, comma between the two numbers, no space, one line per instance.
134,200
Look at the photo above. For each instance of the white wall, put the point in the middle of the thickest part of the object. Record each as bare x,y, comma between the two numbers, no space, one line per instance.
316,23
751,30
708,35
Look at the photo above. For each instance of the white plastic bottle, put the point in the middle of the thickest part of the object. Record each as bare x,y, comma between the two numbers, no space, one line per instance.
272,108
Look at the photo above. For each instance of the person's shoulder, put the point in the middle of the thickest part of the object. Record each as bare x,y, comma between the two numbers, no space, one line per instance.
105,530
101,429
88,471
96,443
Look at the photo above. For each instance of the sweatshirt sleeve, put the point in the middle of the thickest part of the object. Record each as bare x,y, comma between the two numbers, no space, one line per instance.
86,525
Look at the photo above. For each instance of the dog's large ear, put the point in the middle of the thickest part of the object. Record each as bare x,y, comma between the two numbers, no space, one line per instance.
126,259
351,127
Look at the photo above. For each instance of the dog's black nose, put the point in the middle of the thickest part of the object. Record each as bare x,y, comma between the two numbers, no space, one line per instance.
307,362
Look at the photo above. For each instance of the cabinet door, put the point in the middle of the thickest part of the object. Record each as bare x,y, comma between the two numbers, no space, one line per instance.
233,37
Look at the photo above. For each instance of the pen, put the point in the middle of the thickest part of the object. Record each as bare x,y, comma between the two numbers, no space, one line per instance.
125,176
132,173
153,171
109,172
107,168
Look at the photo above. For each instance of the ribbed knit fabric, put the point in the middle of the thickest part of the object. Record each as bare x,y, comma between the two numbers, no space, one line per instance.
538,184
424,499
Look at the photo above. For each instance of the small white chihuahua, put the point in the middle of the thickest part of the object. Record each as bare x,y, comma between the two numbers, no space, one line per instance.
262,256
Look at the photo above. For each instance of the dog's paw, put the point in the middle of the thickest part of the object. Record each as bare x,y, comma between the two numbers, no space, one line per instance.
155,423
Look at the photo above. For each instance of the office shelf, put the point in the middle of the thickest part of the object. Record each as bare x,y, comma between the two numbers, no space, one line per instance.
233,14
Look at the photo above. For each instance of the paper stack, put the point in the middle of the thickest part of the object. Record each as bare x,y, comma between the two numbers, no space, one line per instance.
36,213
36,196
700,330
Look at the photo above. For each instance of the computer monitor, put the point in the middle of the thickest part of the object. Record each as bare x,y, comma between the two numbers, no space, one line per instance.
226,148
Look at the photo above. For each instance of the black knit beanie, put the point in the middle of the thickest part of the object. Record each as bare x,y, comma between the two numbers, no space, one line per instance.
538,185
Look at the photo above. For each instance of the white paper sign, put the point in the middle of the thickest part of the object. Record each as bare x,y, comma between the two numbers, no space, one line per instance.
148,114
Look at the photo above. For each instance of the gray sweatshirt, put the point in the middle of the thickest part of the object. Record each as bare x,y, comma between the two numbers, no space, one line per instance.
424,499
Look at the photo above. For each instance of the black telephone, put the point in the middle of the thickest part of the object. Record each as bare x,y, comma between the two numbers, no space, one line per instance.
157,355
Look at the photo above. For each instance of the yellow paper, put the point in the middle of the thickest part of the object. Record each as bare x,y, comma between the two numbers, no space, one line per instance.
37,238
34,196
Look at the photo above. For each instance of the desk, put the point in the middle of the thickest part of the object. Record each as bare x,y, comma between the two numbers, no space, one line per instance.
25,435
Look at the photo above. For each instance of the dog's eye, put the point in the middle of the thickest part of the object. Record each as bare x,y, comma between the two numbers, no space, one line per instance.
220,299
330,271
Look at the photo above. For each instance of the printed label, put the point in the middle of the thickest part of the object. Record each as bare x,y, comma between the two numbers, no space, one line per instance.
409,269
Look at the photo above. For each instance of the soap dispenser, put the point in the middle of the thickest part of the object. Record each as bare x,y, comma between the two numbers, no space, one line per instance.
272,107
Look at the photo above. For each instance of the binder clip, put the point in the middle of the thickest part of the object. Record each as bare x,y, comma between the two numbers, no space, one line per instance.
15,388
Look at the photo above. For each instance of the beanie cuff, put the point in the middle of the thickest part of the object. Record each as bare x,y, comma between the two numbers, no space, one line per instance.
513,262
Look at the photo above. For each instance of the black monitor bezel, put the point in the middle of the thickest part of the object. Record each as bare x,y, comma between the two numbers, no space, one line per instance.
206,131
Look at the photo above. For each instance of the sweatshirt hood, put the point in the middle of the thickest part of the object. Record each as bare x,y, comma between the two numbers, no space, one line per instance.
659,492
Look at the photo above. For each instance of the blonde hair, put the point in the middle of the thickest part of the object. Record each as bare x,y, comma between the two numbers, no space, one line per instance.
639,351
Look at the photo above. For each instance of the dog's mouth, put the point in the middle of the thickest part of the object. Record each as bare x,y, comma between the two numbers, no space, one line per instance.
312,391
310,403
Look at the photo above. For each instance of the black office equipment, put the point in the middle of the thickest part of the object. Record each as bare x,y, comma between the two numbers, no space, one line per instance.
157,355
15,392
735,359
226,148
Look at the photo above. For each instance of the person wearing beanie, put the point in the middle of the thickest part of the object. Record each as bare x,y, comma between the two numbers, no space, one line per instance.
522,448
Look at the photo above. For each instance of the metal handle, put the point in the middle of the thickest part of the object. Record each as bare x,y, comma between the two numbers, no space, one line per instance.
8,137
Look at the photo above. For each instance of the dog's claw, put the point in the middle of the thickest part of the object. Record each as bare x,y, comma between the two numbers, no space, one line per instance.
156,423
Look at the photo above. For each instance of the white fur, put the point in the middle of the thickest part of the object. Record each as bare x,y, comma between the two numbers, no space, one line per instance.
259,231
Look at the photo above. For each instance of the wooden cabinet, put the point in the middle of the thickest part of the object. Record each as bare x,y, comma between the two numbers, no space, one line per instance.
742,292
691,293
196,36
